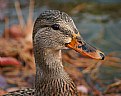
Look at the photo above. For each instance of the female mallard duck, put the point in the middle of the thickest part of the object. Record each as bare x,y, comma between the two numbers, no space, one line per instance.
53,31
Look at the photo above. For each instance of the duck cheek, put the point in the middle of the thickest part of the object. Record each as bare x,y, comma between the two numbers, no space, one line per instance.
67,40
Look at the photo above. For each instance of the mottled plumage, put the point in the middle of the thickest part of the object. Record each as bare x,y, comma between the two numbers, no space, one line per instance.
54,30
51,78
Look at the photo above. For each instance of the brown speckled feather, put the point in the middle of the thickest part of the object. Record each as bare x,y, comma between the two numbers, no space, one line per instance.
51,78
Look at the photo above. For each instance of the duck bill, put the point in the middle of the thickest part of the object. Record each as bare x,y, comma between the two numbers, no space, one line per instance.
86,49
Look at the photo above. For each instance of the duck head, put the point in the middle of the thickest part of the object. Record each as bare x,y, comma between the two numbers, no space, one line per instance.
56,30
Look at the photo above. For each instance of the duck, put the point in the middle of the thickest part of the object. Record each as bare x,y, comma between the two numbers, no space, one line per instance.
53,32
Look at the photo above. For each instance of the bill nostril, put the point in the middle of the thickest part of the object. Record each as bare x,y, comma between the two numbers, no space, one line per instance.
102,55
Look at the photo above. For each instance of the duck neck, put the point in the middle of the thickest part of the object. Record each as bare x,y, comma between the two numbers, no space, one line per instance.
50,74
49,63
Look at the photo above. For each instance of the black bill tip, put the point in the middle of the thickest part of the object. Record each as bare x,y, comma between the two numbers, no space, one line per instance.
102,55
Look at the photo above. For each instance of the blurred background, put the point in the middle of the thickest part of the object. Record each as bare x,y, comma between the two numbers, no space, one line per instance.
99,22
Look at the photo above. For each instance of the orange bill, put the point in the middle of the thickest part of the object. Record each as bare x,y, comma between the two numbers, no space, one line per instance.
86,49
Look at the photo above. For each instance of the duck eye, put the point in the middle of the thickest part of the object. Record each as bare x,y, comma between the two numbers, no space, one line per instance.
55,26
